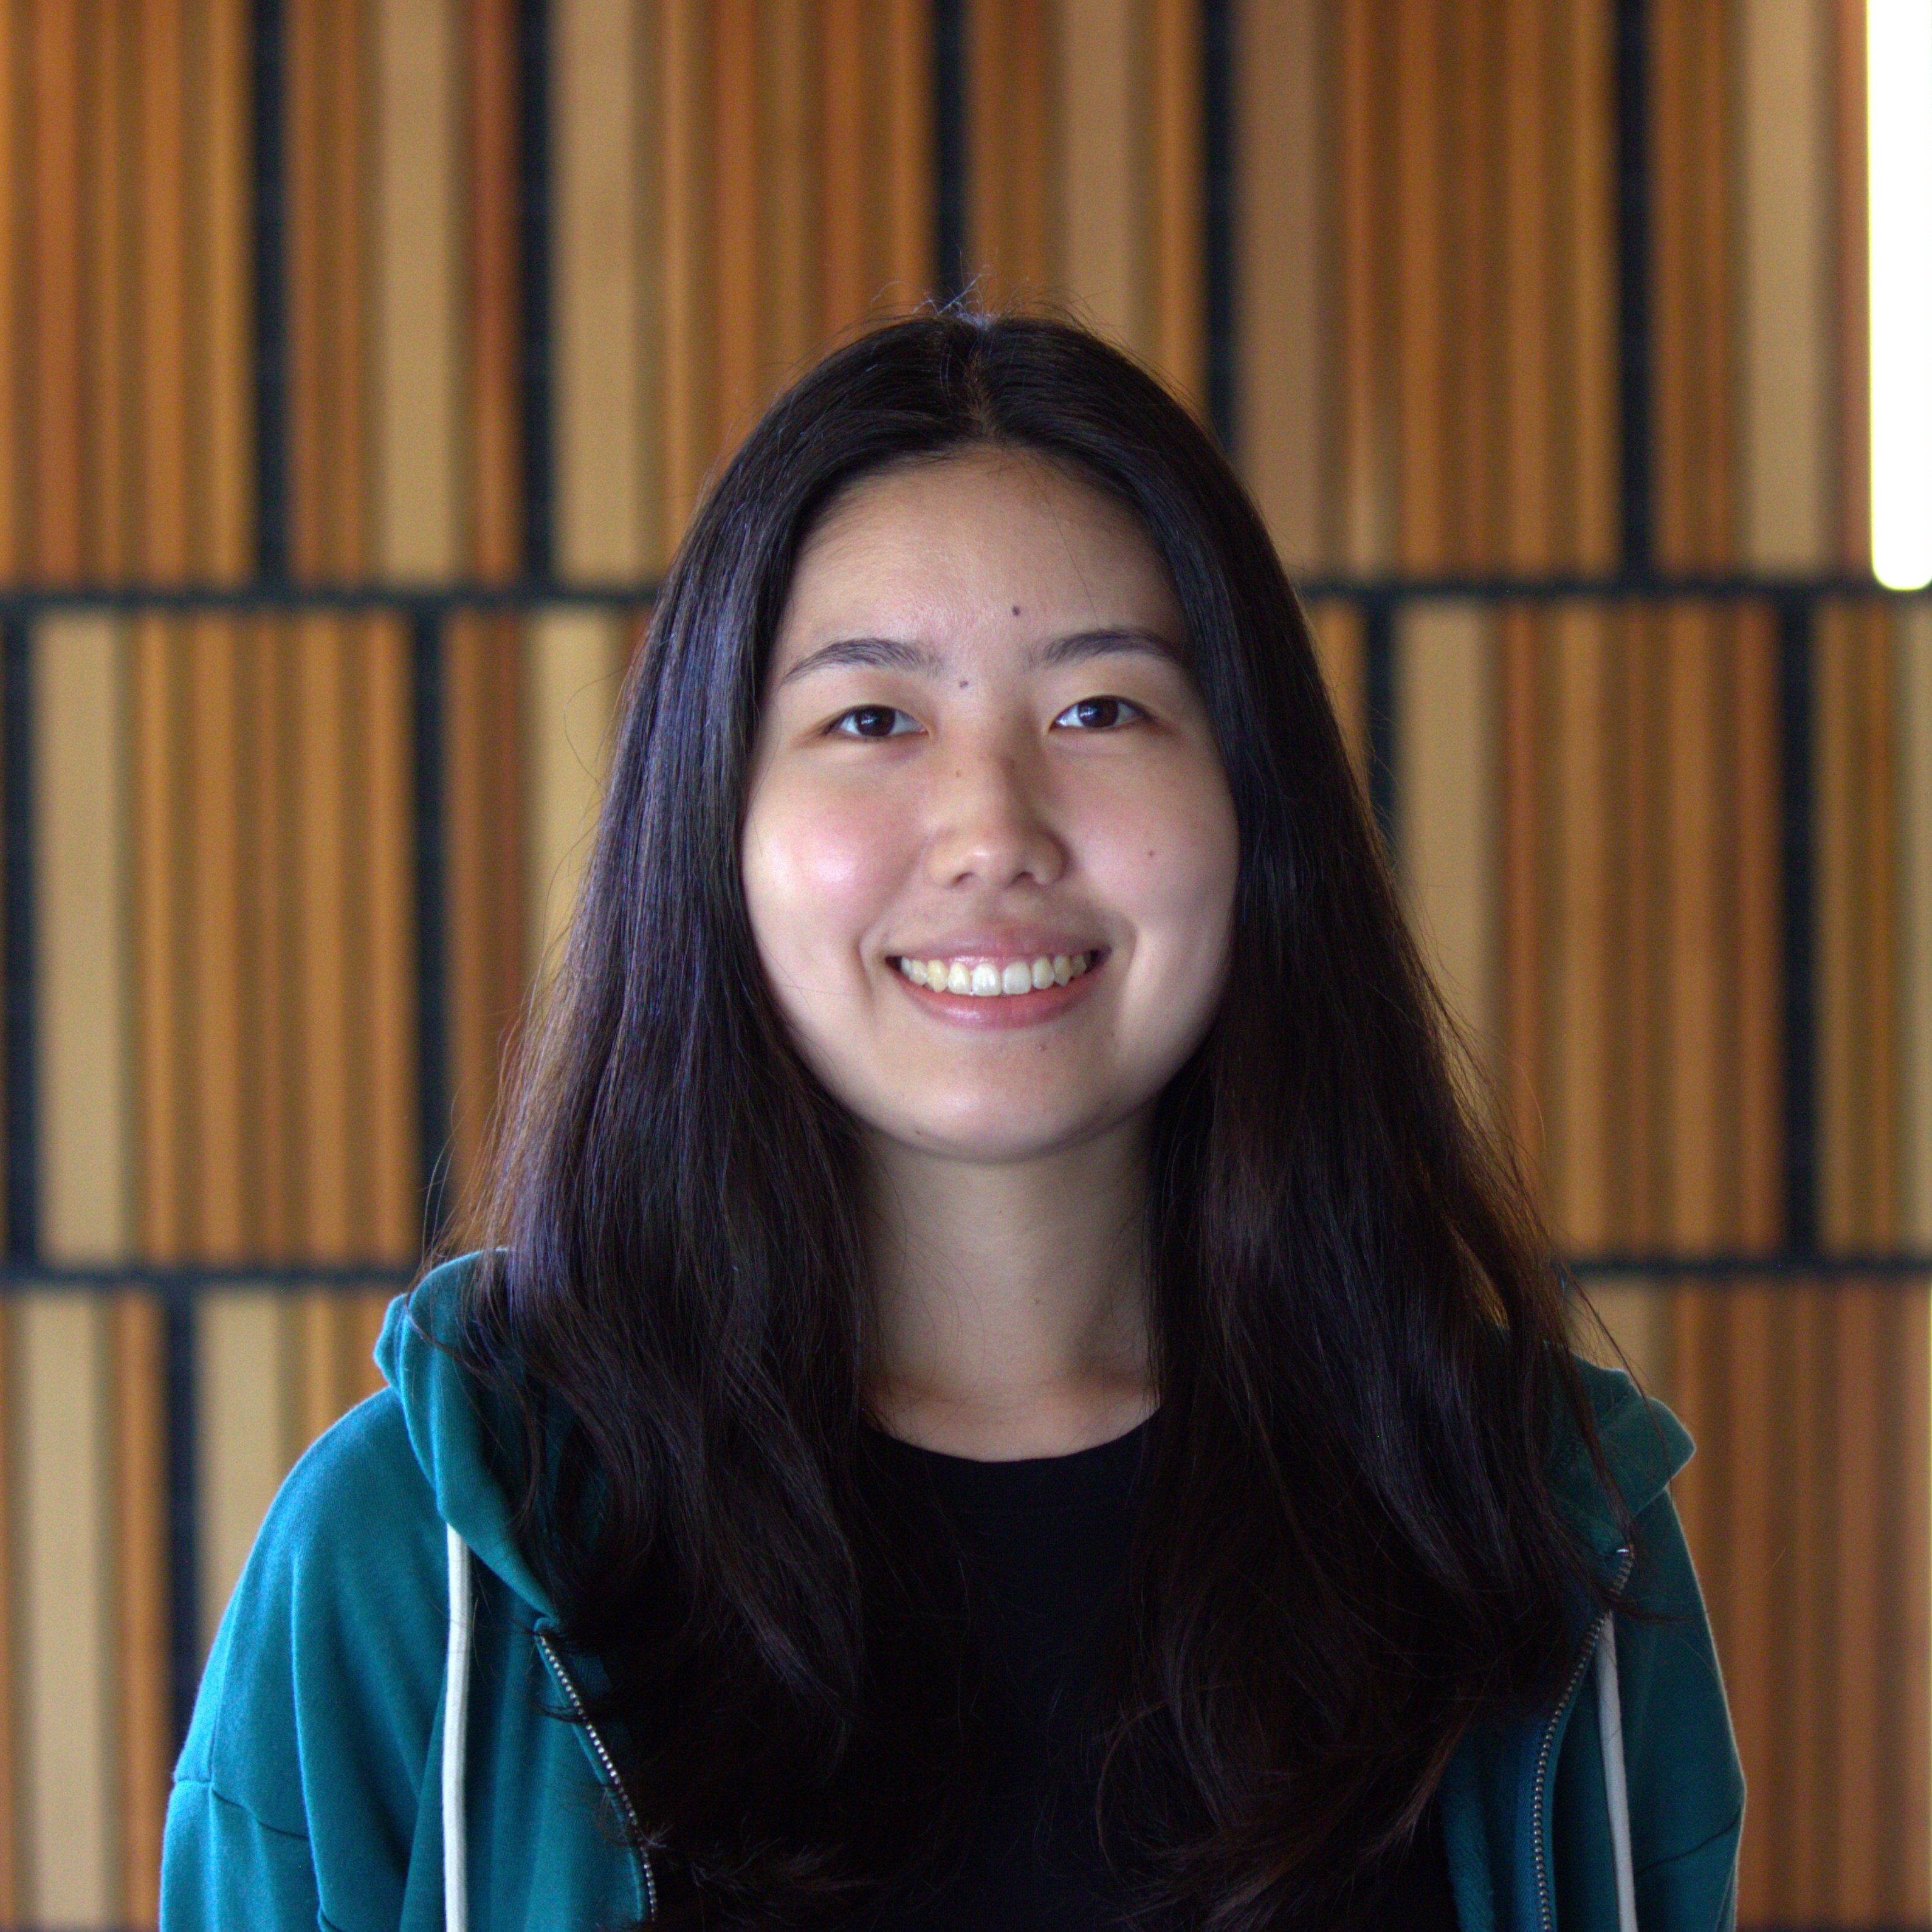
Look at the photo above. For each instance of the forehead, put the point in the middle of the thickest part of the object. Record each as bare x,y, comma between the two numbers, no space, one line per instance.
965,542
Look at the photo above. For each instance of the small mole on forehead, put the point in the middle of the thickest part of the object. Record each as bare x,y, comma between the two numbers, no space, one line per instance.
1016,609
964,682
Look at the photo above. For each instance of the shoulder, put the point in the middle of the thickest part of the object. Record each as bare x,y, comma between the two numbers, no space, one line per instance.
331,1645
1643,1446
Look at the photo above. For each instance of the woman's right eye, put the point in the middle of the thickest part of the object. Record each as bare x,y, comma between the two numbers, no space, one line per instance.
874,721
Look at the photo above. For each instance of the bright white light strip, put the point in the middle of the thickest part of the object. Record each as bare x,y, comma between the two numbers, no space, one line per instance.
1898,120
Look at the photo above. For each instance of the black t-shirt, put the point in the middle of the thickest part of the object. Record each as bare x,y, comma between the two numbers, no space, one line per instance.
1048,1540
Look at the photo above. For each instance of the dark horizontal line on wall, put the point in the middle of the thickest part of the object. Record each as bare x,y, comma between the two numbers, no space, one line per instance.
1901,1267
433,599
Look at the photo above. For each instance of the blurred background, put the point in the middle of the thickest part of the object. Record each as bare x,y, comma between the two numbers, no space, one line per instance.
360,360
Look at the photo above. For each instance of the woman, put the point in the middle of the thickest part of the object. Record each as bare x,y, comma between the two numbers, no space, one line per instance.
1003,1383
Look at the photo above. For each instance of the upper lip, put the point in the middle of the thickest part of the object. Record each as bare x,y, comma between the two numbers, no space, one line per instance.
1021,942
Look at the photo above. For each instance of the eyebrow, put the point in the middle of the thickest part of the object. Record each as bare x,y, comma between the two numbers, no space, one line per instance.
895,654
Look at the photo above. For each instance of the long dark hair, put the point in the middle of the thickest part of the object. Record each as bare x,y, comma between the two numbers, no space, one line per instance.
1348,1548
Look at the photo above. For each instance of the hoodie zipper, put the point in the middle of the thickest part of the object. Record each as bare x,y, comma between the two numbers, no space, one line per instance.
1539,1793
610,1764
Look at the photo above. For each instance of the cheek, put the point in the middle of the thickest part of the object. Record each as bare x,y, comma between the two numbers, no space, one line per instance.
1171,852
818,870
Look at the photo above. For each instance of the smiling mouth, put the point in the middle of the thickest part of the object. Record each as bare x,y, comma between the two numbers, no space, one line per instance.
996,978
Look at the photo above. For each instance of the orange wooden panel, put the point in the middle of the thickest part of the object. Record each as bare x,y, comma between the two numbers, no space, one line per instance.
735,139
1586,125
166,335
1851,286
15,78
843,290
1530,510
321,907
788,201
344,296
1336,625
161,1068
1909,1858
217,1189
1174,87
363,1323
269,730
1364,326
1475,372
321,1353
54,384
496,495
1523,1072
1759,1138
909,239
226,413
145,1719
394,1139
1416,164
681,93
112,372
1581,932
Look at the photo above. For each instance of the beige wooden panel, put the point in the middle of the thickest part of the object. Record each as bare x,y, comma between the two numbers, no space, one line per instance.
1636,1316
84,1033
1912,683
1448,834
1101,183
63,1452
1784,474
597,224
242,1405
573,667
1283,271
418,287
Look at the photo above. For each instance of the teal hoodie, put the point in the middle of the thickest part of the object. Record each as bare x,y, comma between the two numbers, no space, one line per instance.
310,1789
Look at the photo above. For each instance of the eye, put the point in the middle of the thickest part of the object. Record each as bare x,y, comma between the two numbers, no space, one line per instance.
1099,714
874,721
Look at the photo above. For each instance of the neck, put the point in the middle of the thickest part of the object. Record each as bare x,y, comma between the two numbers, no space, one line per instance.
1011,1298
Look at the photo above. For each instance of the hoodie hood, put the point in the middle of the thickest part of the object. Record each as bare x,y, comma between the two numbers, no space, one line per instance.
448,1429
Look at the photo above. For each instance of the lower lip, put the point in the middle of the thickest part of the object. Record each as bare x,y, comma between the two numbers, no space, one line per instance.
997,1011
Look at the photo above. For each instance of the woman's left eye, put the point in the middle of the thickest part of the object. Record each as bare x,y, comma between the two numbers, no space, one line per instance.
1099,714
874,721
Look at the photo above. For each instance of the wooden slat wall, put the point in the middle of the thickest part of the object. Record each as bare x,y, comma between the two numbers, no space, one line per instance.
1426,295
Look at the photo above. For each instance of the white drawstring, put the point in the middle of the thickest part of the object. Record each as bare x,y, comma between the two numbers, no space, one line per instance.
455,1724
1610,1732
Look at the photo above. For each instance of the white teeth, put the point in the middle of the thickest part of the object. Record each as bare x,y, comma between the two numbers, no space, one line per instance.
983,980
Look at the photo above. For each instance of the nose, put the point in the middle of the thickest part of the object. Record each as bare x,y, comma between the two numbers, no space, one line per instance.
990,826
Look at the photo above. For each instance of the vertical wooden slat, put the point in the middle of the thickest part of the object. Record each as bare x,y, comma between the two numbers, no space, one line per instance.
841,77
12,1875
686,369
788,199
1850,280
1179,344
597,226
165,439
1521,1018
242,1407
1913,685
1416,165
1476,130
273,942
1101,193
63,1447
16,71
495,310
1336,625
111,372
54,497
1588,360
1530,511
1784,474
1447,778
907,83
734,143
227,543
1285,266
1581,933
394,1139
416,437
1361,330
218,1129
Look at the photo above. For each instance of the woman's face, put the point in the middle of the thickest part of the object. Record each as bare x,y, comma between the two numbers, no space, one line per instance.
989,852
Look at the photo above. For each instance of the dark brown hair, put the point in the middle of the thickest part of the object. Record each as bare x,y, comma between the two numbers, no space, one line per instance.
1348,1547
